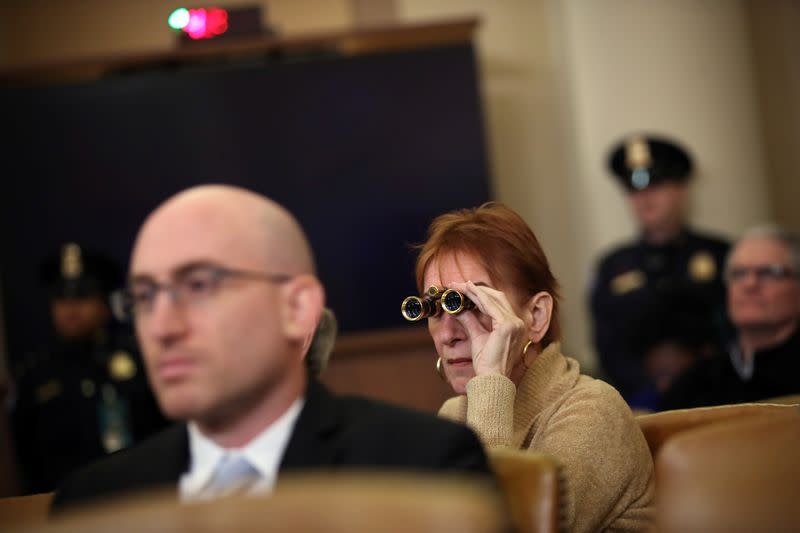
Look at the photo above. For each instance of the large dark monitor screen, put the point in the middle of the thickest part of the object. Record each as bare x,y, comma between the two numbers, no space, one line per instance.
364,150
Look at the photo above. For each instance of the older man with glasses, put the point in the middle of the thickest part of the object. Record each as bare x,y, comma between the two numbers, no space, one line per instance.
763,361
224,298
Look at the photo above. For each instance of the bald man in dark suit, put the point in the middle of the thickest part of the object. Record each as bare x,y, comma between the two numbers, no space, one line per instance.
224,297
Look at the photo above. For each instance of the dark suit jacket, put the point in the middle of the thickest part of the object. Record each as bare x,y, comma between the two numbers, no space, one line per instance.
332,432
715,381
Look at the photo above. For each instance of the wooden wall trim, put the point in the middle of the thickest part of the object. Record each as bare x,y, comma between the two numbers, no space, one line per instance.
357,41
359,343
394,365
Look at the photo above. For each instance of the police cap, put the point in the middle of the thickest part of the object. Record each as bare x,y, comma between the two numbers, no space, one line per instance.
77,273
639,161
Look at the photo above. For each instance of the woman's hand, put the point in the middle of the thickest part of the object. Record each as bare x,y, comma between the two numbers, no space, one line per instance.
497,334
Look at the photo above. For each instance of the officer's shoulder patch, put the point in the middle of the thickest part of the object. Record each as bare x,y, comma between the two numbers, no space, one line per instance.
627,282
48,391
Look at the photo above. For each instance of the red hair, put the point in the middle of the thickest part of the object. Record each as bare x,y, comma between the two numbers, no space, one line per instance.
502,243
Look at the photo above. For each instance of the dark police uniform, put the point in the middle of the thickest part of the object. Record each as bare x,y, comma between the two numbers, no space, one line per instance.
79,399
631,280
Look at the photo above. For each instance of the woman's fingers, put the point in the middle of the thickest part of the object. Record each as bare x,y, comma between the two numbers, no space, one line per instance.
487,300
472,323
494,345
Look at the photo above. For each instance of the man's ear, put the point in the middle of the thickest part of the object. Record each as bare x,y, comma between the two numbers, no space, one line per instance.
539,310
303,301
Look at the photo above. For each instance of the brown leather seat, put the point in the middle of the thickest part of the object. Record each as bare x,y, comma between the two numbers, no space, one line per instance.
24,510
741,475
659,427
310,503
534,489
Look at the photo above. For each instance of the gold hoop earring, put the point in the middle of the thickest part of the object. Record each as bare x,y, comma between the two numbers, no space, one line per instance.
525,351
440,370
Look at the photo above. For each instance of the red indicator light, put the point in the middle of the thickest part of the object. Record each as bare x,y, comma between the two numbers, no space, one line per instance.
205,23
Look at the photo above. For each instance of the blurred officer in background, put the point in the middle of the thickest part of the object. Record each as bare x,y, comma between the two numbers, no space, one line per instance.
84,393
667,256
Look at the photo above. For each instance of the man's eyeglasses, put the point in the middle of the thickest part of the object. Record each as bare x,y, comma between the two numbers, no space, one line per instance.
191,286
762,273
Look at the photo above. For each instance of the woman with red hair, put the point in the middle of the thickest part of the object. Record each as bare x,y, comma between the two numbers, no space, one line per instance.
515,388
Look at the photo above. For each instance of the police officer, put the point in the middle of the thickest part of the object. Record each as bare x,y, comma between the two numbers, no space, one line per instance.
84,393
668,258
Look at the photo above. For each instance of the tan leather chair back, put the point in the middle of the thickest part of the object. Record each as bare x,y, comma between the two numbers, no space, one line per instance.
659,427
534,488
739,475
22,510
392,503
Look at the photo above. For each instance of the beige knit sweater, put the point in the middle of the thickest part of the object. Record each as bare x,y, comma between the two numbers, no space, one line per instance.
582,422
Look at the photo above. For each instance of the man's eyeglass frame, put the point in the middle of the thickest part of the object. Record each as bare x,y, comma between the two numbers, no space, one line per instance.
773,272
123,301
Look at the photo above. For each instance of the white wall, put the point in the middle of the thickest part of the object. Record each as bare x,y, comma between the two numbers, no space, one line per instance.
776,37
683,68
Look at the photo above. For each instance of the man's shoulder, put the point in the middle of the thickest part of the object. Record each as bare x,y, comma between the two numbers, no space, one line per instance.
171,438
154,462
622,259
376,433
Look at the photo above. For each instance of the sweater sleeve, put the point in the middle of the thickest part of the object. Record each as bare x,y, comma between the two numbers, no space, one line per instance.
490,409
454,409
608,466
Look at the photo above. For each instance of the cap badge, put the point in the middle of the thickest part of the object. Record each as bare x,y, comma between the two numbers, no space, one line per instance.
71,263
638,158
637,153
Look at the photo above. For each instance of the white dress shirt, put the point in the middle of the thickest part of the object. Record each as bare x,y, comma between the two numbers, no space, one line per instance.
264,453
744,366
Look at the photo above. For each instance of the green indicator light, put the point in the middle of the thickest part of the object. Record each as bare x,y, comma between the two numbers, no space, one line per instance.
178,19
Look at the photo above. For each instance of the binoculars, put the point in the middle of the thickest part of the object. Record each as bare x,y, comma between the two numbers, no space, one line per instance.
433,302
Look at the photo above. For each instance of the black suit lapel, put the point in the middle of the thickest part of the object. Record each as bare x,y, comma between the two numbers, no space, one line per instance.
161,461
175,460
156,463
313,441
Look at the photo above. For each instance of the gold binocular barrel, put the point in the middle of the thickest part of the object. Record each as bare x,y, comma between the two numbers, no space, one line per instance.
434,301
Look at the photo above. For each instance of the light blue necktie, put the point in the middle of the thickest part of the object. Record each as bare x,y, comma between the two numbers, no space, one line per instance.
232,476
